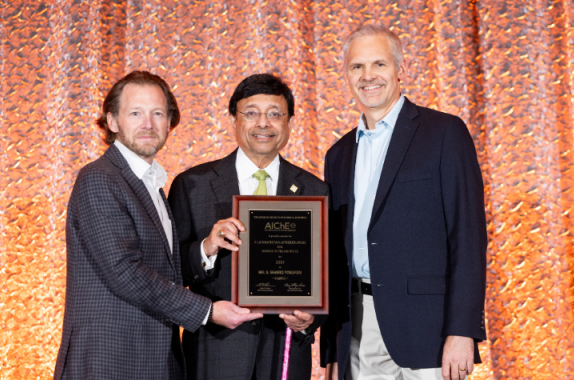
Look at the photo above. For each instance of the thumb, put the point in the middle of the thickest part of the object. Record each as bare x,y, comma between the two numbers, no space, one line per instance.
302,315
250,316
240,310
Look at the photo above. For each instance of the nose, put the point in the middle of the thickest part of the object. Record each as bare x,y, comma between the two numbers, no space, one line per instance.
263,121
368,74
148,121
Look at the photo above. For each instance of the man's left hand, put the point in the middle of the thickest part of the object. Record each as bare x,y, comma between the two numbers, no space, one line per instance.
298,321
457,357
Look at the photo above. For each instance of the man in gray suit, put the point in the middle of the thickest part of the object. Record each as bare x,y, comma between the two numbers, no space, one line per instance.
201,197
124,298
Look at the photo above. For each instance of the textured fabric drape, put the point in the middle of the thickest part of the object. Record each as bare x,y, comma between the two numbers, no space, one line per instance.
505,67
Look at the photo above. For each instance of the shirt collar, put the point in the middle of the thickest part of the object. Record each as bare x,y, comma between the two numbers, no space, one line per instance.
389,120
245,167
140,167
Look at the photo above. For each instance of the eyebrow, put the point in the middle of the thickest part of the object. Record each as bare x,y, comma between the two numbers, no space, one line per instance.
257,106
382,60
141,108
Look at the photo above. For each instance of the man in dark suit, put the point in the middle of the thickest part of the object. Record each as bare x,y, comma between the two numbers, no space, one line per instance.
408,205
124,298
201,199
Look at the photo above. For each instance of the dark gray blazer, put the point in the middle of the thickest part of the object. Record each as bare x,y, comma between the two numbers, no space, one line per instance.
199,197
124,299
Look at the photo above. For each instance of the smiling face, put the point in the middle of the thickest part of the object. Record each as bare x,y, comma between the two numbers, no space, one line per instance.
372,75
142,123
262,139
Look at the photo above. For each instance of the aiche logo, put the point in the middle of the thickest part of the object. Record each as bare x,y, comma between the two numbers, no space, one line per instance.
280,226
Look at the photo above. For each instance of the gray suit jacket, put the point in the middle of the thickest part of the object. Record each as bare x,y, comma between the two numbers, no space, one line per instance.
199,197
124,299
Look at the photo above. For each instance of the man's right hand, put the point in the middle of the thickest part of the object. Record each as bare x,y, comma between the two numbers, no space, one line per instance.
229,315
230,229
332,371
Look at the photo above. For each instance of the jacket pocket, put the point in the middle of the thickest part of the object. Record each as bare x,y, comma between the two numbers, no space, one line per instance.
408,177
427,284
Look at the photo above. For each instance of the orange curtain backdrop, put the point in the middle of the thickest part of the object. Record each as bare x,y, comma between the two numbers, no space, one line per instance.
505,67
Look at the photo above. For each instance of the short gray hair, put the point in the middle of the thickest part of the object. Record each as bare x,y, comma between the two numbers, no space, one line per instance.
373,30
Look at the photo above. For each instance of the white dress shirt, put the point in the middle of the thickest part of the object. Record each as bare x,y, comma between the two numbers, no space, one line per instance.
371,153
154,177
247,184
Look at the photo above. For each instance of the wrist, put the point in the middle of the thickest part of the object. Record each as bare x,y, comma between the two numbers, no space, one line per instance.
210,316
208,248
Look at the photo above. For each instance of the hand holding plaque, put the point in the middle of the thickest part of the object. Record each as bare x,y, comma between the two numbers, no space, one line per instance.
223,235
229,315
282,261
298,321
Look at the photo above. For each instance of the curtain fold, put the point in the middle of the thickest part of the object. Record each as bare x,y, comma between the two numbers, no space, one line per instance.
506,68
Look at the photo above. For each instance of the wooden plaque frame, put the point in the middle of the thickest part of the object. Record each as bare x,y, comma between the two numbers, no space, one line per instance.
318,303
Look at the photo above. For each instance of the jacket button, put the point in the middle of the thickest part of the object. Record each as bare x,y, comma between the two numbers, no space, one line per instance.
196,277
253,323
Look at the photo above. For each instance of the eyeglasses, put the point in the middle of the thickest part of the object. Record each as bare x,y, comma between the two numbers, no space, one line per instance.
254,115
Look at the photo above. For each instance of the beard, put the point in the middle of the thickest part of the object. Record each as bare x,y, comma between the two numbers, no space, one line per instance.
145,150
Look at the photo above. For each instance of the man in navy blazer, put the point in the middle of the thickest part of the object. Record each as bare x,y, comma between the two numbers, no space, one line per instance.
124,295
409,219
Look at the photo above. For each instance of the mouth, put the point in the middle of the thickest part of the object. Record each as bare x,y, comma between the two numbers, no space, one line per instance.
371,87
147,137
263,137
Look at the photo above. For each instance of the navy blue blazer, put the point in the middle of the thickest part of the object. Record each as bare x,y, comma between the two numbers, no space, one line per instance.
427,240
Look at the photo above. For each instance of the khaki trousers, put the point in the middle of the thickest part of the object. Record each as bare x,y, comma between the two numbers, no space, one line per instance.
369,358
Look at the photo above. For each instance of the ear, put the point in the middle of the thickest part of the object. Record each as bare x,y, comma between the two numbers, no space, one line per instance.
112,123
233,121
403,71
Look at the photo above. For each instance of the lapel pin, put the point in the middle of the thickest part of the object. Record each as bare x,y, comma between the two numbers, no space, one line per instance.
293,188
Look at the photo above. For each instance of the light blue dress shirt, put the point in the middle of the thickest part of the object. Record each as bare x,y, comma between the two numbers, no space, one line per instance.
371,152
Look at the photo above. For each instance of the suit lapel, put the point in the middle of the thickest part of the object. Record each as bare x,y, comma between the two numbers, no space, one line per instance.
141,192
288,183
348,171
175,257
225,184
403,133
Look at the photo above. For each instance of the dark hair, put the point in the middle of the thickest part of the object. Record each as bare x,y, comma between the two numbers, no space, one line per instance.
142,78
262,84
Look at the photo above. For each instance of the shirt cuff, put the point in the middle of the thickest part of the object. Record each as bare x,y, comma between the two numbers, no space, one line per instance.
206,262
207,316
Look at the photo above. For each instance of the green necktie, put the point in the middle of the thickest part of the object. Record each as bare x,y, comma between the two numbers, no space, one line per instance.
261,175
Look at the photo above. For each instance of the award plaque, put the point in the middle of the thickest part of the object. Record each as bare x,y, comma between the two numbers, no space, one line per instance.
282,263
